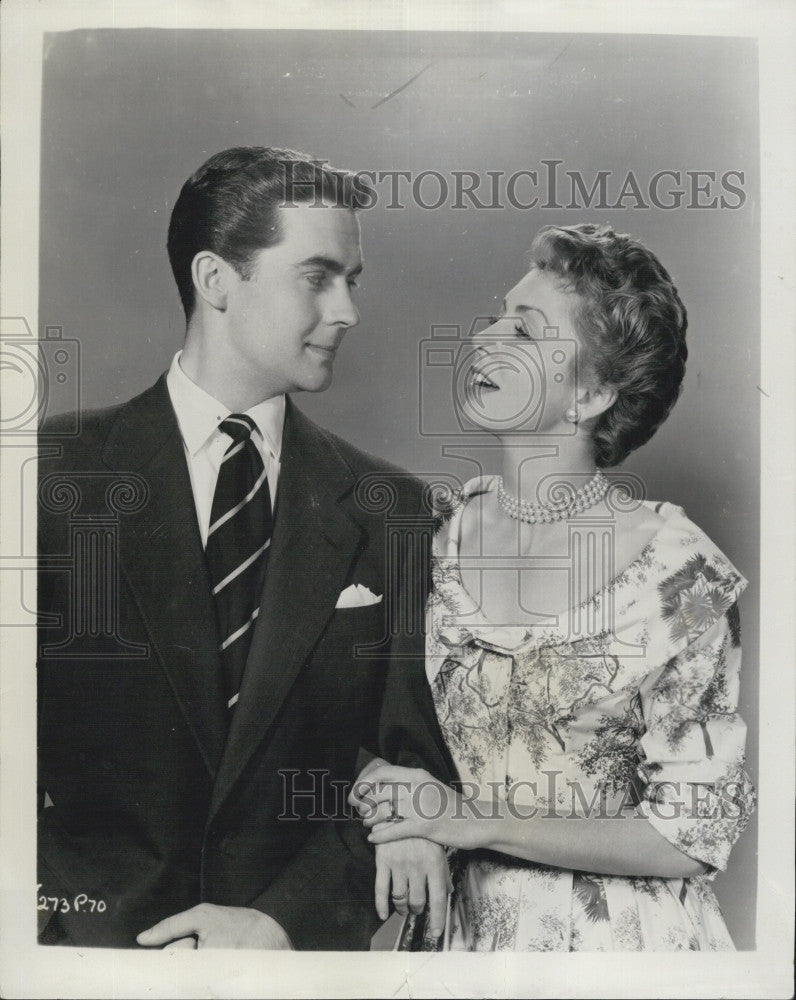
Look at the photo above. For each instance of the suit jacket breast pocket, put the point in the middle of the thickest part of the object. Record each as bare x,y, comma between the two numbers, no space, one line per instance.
361,625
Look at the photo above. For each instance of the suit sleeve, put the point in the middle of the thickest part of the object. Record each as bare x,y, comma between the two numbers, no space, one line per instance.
324,898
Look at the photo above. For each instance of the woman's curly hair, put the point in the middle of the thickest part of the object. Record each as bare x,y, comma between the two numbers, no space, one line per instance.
632,323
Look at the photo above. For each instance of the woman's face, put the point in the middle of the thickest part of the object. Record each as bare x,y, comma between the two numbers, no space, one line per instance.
524,373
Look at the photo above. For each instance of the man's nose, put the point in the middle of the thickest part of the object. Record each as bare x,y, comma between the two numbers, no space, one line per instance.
341,310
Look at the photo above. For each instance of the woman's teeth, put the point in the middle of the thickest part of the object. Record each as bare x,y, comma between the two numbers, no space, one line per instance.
480,379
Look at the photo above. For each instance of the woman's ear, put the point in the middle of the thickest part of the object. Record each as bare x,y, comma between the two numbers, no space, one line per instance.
211,274
595,401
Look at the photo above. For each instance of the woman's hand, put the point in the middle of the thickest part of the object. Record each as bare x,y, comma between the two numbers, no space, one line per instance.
401,802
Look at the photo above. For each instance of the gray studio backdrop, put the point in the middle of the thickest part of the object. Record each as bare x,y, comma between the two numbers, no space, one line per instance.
128,115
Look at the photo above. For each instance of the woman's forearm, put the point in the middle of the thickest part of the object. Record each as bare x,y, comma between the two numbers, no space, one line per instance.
619,845
402,802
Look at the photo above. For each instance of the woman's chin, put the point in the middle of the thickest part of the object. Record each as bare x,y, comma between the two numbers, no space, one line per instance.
474,419
496,414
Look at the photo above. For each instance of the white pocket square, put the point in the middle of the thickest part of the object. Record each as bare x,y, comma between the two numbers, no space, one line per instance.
357,596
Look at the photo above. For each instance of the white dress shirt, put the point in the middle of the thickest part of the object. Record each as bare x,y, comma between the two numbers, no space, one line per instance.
199,415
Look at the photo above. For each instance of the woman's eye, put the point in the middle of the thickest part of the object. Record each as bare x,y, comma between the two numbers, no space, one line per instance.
522,330
353,283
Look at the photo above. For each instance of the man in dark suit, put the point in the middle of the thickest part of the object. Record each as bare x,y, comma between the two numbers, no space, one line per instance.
213,587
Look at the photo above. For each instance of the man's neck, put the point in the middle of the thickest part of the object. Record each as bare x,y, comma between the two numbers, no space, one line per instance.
219,376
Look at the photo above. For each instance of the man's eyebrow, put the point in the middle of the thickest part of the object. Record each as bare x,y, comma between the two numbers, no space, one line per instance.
520,310
329,264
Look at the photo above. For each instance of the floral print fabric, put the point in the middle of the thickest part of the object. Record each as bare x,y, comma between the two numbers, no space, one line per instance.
639,711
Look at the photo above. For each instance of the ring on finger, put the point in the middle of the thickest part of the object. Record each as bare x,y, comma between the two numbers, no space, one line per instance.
399,896
395,816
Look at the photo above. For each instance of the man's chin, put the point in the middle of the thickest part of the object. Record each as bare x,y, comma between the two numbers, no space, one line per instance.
316,383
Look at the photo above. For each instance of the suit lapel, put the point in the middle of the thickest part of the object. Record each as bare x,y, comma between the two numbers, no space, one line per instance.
162,557
314,543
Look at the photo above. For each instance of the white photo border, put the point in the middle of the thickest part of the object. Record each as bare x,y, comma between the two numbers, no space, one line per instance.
27,970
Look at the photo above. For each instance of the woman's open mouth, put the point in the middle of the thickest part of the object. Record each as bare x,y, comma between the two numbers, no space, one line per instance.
481,381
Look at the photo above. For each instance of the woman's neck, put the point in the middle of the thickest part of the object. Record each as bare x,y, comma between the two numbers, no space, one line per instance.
531,468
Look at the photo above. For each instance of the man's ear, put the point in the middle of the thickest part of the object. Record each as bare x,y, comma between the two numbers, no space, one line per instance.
596,400
211,277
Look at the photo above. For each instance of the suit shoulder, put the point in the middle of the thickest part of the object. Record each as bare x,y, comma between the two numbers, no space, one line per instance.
81,434
71,425
364,461
81,437
364,466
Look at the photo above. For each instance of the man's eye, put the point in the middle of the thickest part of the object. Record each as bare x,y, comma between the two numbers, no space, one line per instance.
317,280
353,283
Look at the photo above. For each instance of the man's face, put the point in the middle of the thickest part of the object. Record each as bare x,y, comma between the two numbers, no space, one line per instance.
288,319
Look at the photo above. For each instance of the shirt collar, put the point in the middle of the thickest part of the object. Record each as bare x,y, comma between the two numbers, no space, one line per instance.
199,413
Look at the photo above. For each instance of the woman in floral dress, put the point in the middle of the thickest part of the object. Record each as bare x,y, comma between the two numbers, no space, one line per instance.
583,645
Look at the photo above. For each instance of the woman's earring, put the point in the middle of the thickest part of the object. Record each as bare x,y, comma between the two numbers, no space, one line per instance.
571,415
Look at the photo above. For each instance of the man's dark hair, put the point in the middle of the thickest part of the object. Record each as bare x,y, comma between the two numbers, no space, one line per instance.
229,206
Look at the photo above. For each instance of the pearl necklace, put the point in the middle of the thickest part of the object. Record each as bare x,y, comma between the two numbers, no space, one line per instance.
560,510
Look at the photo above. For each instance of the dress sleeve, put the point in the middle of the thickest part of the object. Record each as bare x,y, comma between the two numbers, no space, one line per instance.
697,794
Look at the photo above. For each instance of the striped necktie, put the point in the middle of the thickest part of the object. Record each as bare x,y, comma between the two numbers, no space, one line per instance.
237,545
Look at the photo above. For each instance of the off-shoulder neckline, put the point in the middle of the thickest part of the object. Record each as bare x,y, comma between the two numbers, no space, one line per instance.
480,485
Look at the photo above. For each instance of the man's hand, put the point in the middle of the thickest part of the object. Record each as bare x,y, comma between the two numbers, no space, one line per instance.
403,870
217,927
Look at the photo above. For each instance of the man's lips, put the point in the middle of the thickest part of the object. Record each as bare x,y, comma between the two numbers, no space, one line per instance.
325,349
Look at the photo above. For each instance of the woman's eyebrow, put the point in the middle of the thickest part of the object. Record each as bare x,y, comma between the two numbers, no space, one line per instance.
520,310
